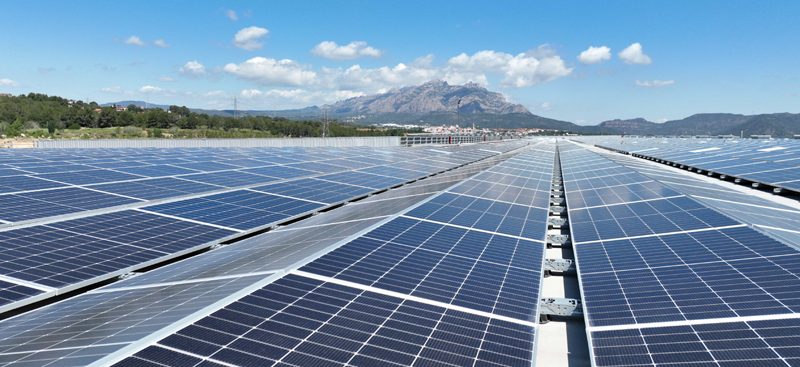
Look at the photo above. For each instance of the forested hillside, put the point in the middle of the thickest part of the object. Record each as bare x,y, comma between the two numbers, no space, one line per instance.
40,115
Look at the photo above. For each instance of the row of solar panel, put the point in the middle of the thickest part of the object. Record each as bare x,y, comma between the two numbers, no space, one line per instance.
724,273
301,321
71,253
99,193
768,163
86,328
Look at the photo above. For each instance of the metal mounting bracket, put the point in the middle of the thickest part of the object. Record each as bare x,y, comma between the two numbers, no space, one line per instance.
558,265
560,306
559,239
557,222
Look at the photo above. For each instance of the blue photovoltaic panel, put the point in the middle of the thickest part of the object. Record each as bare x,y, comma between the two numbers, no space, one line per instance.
48,203
466,268
6,172
279,172
506,193
53,167
732,344
619,194
156,171
394,172
157,188
322,167
303,322
207,166
89,177
644,218
241,209
25,183
64,253
709,274
228,179
487,215
118,164
315,190
246,163
10,292
83,329
363,179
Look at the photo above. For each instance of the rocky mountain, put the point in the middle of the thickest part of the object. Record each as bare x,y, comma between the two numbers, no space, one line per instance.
431,97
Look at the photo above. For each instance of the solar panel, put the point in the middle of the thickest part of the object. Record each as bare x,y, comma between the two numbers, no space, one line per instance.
301,321
66,253
86,328
649,294
477,270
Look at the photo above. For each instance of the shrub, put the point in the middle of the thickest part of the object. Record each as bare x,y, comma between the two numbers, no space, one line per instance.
157,133
30,125
132,131
74,126
51,127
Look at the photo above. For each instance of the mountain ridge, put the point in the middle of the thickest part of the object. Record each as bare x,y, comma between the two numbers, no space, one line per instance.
431,97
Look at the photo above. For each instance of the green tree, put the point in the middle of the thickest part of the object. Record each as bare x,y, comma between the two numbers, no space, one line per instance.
107,117
125,119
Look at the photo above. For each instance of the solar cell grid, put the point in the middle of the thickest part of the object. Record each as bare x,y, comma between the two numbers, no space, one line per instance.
644,218
84,329
752,343
157,188
363,179
89,177
279,172
487,215
452,265
11,292
241,209
299,321
25,183
156,170
229,179
315,190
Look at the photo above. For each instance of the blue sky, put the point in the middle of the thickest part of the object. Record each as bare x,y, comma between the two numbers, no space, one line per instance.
657,60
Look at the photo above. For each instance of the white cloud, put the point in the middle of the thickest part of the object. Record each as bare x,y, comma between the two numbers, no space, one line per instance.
790,94
161,43
353,50
481,61
525,71
633,55
546,106
654,83
46,70
231,14
133,40
216,93
518,71
116,90
595,55
268,71
295,98
166,79
8,83
192,69
661,121
247,38
150,89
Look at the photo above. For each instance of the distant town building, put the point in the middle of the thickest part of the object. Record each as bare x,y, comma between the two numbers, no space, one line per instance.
5,95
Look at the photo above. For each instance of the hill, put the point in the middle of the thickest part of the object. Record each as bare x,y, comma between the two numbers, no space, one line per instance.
779,125
432,97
